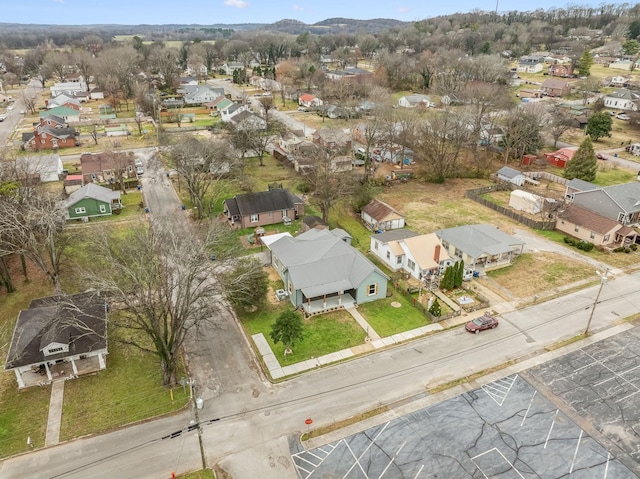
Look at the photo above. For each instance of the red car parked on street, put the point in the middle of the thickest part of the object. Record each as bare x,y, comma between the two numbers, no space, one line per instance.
486,321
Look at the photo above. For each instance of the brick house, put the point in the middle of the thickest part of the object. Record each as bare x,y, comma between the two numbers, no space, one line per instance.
556,88
558,70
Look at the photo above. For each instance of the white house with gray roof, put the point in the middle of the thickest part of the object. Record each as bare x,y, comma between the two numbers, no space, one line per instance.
481,247
322,272
622,99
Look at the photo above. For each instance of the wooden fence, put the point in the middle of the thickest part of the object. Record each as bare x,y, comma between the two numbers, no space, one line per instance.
475,195
420,307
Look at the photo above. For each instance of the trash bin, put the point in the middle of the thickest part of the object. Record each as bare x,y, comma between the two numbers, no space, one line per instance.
616,155
183,207
146,210
139,187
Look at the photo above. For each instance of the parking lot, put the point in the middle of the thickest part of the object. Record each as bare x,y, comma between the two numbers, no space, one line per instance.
508,429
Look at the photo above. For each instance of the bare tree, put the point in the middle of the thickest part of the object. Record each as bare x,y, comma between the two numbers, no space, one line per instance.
163,279
439,144
203,165
328,186
559,121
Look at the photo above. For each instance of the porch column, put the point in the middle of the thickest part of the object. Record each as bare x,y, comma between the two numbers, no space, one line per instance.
46,368
324,301
19,378
101,361
74,367
339,298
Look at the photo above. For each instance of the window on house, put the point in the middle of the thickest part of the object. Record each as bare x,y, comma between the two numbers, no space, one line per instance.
253,218
576,229
81,210
399,260
411,264
372,289
103,209
375,245
606,238
592,235
388,255
55,350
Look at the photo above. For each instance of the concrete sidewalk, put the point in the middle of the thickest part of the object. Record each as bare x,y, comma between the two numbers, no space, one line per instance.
371,333
55,413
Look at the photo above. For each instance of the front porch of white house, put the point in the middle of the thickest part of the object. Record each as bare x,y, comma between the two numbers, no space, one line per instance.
488,263
327,302
69,368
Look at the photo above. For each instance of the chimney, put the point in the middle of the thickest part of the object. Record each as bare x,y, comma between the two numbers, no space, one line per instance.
436,254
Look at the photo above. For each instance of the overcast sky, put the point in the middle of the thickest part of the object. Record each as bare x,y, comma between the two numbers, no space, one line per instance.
207,12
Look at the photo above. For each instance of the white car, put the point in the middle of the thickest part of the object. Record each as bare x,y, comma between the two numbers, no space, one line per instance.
3,118
623,116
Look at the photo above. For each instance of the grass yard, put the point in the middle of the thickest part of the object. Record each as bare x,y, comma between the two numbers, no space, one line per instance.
387,320
129,390
323,334
24,413
274,171
202,474
540,273
342,217
618,260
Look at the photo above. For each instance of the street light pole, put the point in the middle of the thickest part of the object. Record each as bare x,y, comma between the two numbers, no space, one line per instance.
603,280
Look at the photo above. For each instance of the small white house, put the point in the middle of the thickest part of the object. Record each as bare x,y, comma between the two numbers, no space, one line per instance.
415,101
622,99
511,175
379,216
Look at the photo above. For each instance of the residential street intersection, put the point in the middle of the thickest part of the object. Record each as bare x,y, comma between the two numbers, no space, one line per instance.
250,427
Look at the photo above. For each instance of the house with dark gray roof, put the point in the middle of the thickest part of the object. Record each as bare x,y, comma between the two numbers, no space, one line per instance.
511,175
262,208
481,247
62,336
322,272
575,185
620,203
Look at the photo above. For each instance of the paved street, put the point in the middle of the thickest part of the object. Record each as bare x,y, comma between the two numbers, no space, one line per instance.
248,423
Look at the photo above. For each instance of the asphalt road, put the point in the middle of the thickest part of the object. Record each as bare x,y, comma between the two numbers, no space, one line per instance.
251,438
14,116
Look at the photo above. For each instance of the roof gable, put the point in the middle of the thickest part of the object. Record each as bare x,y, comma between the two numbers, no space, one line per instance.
379,211
476,240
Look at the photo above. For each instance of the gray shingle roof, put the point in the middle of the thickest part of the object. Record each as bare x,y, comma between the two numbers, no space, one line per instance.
78,320
319,262
394,235
508,172
476,240
627,195
581,185
92,190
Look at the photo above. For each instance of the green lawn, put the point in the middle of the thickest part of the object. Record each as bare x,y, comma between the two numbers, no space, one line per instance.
129,390
202,474
323,334
387,320
341,217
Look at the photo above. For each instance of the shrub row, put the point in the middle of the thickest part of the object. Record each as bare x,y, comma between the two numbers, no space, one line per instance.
580,244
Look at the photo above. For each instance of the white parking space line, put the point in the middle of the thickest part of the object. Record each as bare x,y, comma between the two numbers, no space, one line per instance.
501,455
575,454
551,428
498,390
528,408
392,459
419,471
357,463
616,376
606,468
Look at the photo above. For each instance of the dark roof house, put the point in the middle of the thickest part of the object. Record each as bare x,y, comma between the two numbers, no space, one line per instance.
263,208
56,331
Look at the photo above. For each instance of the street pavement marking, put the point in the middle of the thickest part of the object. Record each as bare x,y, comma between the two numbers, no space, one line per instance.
392,459
498,390
528,408
373,441
616,375
299,456
606,469
575,454
502,455
419,471
551,428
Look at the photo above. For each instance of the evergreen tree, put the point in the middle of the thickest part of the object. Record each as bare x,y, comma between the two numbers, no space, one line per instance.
459,274
435,309
447,280
584,64
599,125
583,164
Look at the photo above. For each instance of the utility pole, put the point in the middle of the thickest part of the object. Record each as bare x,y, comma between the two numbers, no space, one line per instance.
603,280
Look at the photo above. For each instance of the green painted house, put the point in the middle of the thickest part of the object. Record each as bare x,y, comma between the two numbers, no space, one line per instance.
92,200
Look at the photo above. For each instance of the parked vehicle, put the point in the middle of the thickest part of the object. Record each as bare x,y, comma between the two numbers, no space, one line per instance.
303,108
486,321
600,156
634,149
3,118
623,116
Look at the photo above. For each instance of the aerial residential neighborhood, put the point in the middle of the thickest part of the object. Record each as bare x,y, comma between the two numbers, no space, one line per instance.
352,248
